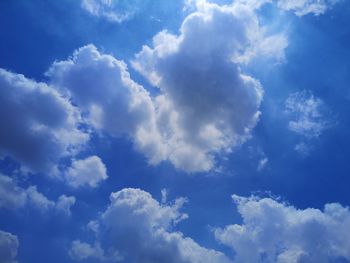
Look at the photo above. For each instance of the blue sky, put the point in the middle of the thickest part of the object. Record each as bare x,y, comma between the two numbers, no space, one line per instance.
174,131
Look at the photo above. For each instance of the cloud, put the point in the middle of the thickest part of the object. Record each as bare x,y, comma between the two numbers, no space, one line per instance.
304,7
137,228
87,172
299,7
116,11
206,105
111,101
8,247
309,118
82,251
307,113
262,164
38,125
64,204
14,197
275,232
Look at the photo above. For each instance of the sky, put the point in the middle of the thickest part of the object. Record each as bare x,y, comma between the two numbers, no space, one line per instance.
184,131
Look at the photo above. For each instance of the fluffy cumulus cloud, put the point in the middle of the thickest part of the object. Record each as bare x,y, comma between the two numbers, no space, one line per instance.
8,247
274,232
38,126
14,197
206,104
87,172
110,100
137,228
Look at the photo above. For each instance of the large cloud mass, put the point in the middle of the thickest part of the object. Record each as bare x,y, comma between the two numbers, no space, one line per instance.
273,232
38,125
206,105
137,228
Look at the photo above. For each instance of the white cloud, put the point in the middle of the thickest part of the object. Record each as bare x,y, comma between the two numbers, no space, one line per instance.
262,163
308,114
87,172
309,118
304,7
206,105
113,10
83,251
274,232
38,126
137,228
8,247
299,7
64,204
15,197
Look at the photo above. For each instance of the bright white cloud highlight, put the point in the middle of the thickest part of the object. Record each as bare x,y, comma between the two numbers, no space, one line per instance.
8,247
137,228
87,172
274,232
14,197
38,126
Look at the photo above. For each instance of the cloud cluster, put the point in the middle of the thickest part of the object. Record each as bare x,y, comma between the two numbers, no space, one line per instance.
274,232
39,126
13,196
137,228
8,247
206,105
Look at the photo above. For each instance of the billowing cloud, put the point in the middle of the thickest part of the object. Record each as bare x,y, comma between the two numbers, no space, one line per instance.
13,197
274,232
87,172
8,247
137,228
38,126
206,104
110,100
